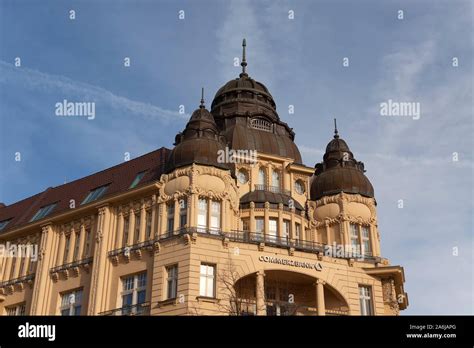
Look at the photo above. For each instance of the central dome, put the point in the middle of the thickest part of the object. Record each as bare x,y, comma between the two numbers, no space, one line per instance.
245,114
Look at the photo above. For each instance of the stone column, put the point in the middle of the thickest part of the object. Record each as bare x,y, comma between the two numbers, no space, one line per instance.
163,218
260,292
17,267
101,266
82,239
131,226
177,209
154,217
280,227
373,240
320,297
266,222
7,268
72,246
141,237
119,234
62,245
252,225
41,298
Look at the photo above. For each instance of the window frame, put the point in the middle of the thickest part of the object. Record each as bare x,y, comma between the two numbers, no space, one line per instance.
366,301
71,307
137,287
208,292
44,211
171,281
95,194
138,178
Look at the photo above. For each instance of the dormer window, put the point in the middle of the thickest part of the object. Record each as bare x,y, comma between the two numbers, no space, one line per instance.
95,194
43,212
4,224
137,179
261,124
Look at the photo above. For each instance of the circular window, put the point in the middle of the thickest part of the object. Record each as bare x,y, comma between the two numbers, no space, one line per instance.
299,186
242,176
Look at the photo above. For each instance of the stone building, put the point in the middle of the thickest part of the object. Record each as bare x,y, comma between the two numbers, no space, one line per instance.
228,222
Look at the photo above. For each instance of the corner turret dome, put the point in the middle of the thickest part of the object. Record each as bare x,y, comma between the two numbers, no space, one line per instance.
199,143
339,172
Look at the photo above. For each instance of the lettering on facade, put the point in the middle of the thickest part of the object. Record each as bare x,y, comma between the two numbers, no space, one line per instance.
271,259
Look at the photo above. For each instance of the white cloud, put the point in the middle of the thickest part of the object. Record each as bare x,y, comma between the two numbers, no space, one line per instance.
61,85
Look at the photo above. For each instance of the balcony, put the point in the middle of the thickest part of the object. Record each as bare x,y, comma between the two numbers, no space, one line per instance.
71,268
18,281
273,189
134,310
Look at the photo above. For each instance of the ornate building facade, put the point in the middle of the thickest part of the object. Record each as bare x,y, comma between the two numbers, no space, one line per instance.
228,222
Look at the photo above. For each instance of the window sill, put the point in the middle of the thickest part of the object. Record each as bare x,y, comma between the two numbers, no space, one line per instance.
167,302
207,299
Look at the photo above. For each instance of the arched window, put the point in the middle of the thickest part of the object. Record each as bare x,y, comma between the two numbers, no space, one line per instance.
262,179
276,179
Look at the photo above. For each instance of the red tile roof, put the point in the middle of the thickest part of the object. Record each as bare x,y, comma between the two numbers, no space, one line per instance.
118,177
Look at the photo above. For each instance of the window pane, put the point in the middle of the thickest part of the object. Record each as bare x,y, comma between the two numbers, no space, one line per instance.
141,295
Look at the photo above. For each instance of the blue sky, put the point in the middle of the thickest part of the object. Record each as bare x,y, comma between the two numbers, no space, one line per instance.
300,61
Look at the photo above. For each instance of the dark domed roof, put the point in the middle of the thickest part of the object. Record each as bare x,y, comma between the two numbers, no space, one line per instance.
199,143
245,114
339,172
260,196
242,95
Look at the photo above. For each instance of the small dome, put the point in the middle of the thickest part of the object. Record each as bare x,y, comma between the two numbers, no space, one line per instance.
339,172
199,143
241,95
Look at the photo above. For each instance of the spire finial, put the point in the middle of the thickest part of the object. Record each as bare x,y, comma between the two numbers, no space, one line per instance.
336,135
202,106
244,61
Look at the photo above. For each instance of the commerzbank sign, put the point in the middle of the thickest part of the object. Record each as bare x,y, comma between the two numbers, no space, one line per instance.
272,259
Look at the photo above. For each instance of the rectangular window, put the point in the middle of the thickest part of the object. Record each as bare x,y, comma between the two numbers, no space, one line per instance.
66,248
170,210
95,194
133,293
76,248
87,243
259,227
43,212
246,225
286,230
137,179
148,224
171,281
272,229
71,303
137,228
207,283
126,226
215,217
183,213
297,231
276,180
366,240
19,309
4,223
354,237
365,298
202,215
